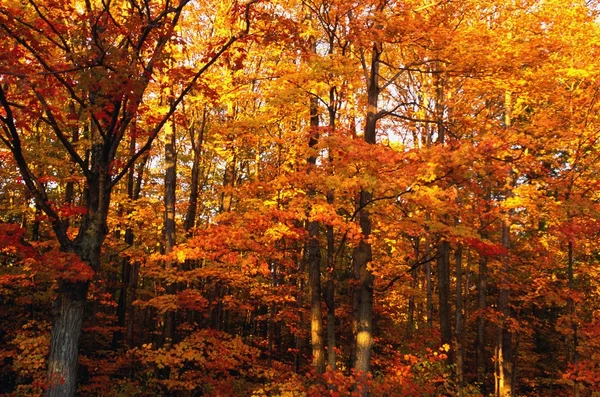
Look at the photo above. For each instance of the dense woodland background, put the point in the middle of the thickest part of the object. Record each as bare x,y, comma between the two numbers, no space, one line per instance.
299,197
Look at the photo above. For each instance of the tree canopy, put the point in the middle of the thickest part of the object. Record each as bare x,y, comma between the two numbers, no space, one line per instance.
299,198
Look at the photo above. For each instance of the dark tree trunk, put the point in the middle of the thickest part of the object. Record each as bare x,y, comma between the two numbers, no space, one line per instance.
64,340
504,346
127,266
362,254
363,295
410,326
330,298
574,357
459,328
481,362
443,272
313,253
197,141
169,202
428,284
68,318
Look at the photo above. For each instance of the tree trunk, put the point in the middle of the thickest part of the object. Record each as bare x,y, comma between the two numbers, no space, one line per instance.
443,272
481,362
68,319
169,201
330,297
363,297
459,329
428,284
64,340
411,299
313,253
504,349
574,357
197,141
299,306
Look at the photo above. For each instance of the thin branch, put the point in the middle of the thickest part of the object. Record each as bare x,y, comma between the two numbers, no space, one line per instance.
410,269
44,64
65,46
184,93
59,134
32,183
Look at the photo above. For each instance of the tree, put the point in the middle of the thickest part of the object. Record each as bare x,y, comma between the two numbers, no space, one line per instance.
99,59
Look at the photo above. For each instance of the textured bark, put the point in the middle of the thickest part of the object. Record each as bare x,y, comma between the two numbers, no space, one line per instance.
68,318
64,341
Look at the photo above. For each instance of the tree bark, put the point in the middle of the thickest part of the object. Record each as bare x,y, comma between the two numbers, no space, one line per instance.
64,340
330,297
363,296
574,357
428,284
459,328
313,253
504,347
169,226
482,285
443,272
197,142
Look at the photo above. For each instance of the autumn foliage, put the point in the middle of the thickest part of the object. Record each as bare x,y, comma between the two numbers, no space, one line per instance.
300,198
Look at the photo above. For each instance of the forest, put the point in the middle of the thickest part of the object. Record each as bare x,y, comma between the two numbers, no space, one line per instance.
296,198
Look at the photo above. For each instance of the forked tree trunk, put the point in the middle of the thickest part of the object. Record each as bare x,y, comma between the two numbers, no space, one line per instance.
69,306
